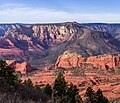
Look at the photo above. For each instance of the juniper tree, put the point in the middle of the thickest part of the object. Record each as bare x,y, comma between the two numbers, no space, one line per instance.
48,90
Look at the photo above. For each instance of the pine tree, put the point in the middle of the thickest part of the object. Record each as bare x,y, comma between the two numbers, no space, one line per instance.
60,86
73,94
64,93
48,90
90,94
100,98
7,73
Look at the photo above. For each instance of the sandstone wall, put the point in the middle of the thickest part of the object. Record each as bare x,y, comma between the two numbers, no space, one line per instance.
70,60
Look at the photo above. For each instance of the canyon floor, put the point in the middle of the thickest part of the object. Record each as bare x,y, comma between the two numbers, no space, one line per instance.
107,82
94,60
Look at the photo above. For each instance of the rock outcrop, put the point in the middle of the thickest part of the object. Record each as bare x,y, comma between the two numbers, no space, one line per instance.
102,61
70,60
23,68
46,42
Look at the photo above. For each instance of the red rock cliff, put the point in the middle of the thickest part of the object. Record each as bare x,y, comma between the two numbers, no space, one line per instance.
70,59
20,67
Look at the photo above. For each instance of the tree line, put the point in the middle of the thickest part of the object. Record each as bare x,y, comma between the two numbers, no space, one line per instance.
60,92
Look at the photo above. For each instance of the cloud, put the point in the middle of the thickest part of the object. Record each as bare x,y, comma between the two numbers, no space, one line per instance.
13,13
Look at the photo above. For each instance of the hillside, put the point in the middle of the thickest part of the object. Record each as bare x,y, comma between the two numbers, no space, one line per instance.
45,42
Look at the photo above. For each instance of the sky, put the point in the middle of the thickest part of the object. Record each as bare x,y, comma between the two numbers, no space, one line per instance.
55,11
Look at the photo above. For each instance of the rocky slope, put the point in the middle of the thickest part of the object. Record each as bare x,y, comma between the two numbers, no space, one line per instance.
113,29
102,26
45,42
69,60
116,33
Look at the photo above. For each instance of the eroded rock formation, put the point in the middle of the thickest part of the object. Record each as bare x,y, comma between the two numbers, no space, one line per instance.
46,42
71,60
23,67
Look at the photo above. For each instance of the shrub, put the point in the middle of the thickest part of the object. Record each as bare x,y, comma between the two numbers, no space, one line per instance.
28,83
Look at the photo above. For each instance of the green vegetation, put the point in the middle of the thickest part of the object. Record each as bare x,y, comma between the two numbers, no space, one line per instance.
63,92
13,91
28,83
100,98
90,94
48,90
72,94
7,73
95,97
60,86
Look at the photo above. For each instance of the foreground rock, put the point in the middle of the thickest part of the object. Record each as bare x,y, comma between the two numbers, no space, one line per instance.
23,67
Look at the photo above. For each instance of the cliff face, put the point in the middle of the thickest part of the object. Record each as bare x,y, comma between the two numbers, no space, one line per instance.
37,37
71,60
45,42
102,26
102,61
20,67
113,29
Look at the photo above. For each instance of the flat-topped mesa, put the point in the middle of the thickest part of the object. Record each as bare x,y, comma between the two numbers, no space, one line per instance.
23,67
70,60
55,32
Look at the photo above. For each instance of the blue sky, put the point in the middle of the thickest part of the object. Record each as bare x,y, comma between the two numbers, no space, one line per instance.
50,11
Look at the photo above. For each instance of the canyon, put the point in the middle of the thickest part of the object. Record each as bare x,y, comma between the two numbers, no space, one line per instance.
45,42
101,71
87,54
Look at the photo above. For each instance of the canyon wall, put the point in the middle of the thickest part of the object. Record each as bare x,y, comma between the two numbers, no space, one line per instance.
70,60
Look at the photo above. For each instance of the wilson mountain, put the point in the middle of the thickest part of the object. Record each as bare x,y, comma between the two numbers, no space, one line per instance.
41,44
